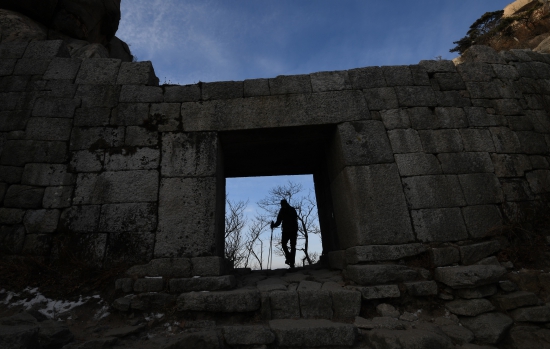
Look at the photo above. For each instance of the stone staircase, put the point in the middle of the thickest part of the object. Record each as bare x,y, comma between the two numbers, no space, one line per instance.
369,298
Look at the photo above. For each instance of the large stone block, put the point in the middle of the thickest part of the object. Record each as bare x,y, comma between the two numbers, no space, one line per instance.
92,116
57,197
98,96
466,162
372,253
208,266
441,224
379,274
11,174
11,216
166,116
376,211
346,304
506,140
93,138
510,165
186,93
433,191
416,164
399,75
37,244
21,152
369,77
82,219
149,285
41,221
87,161
313,333
380,292
422,288
469,276
55,107
254,87
116,187
516,189
330,81
137,136
405,141
209,283
415,96
287,84
441,141
46,175
360,143
221,90
315,304
539,181
141,94
14,120
516,299
481,188
275,111
99,71
189,154
471,307
141,159
423,118
284,304
48,129
25,66
482,221
23,196
12,49
235,301
187,211
137,73
444,256
438,66
532,142
477,292
382,98
451,117
478,117
395,118
62,69
130,114
475,252
128,217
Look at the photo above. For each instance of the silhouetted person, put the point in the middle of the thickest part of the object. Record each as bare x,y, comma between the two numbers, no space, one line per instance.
288,216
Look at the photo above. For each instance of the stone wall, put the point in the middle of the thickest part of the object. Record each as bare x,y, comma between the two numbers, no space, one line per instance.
98,159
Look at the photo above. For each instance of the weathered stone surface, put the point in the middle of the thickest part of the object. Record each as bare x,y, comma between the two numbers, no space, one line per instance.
539,181
441,141
234,301
137,73
41,221
313,333
186,93
87,161
140,137
433,191
376,212
98,96
99,71
37,244
442,224
248,335
272,284
510,165
208,283
96,138
373,253
477,292
19,336
132,114
128,217
423,118
466,162
208,266
14,120
149,285
21,152
379,274
46,175
222,90
395,119
416,164
369,77
81,218
275,111
126,285
337,259
477,140
532,314
459,334
141,159
315,304
287,84
23,196
12,239
379,292
481,188
422,288
473,253
284,304
526,337
516,299
189,154
10,216
444,256
469,276
488,328
387,310
306,285
186,206
48,129
54,334
472,307
140,94
62,69
482,221
405,141
346,304
382,338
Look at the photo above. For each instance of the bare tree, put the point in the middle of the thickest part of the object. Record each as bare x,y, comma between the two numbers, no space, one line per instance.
235,222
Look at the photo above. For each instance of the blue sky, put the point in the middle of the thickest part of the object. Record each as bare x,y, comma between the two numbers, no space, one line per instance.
217,40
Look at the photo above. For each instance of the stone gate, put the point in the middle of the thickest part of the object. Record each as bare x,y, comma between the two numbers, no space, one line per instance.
95,155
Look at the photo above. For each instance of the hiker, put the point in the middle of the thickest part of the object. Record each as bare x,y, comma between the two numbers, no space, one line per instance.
288,216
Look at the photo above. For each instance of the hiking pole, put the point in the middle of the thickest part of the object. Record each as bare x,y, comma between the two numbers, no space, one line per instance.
270,257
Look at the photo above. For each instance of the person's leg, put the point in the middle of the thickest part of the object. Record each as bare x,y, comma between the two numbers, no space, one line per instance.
293,249
284,242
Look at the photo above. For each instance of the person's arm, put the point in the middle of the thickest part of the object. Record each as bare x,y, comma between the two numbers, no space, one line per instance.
279,219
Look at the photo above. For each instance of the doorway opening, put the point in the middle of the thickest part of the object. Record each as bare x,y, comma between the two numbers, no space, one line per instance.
252,203
269,165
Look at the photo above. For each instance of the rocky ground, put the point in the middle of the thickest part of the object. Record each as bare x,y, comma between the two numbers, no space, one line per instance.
508,314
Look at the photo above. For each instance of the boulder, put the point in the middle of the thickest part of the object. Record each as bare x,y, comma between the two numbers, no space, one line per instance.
41,10
383,322
529,337
54,334
488,328
544,46
516,299
382,339
472,307
91,51
17,27
478,292
532,314
458,334
387,310
119,49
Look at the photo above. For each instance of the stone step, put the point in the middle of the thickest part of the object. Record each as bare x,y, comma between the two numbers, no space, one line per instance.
313,333
378,274
176,286
179,267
